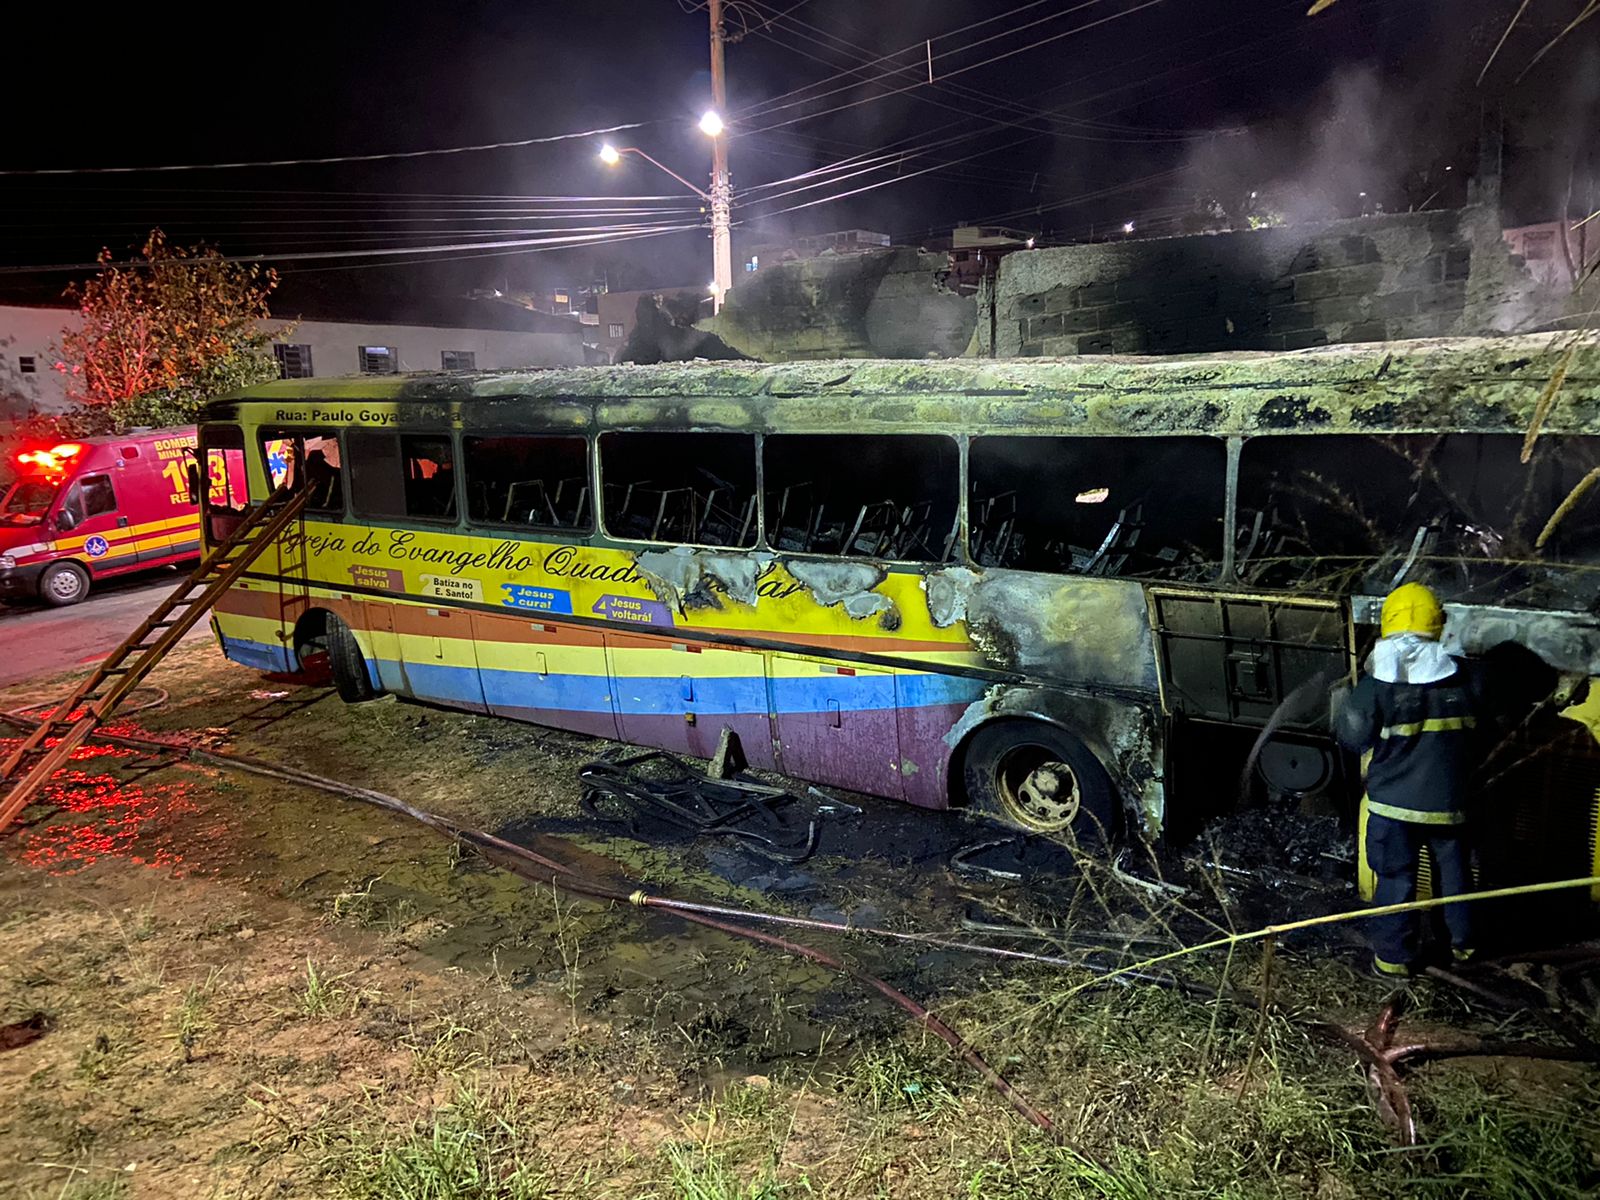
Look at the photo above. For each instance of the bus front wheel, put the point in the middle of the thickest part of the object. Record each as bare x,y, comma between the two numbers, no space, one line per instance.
1039,778
347,664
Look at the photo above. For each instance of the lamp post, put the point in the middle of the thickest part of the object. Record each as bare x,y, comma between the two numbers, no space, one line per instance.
719,198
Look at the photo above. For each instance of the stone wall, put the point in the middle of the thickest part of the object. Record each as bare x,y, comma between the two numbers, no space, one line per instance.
1370,279
1384,278
891,304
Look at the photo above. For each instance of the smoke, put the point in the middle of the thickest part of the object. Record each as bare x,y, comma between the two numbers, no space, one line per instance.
1361,144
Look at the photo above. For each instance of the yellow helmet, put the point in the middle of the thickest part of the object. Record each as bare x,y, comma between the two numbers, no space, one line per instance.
1412,608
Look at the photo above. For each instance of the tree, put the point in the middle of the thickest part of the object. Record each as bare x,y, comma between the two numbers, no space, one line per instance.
163,334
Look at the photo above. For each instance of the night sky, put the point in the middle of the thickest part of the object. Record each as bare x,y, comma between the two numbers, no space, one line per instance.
1162,109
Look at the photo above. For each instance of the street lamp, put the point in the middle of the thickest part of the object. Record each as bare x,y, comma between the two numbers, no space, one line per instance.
720,198
612,155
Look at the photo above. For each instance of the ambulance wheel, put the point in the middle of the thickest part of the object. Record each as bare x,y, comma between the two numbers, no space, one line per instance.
1039,778
347,664
63,583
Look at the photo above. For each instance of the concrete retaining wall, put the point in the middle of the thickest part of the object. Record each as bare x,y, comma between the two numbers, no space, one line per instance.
1373,279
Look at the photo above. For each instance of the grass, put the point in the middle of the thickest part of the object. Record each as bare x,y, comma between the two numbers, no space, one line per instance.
322,995
899,1078
701,1173
422,1085
477,1147
108,1187
192,1020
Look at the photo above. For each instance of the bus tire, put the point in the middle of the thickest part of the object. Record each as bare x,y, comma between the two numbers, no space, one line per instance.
348,665
1039,778
63,583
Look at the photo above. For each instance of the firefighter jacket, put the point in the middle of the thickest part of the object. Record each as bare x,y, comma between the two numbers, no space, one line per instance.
1424,740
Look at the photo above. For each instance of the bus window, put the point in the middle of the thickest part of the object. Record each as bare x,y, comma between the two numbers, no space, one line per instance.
306,458
537,481
402,474
1458,511
691,488
1138,507
889,496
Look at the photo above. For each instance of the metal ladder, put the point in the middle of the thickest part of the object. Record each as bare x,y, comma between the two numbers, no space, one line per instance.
32,764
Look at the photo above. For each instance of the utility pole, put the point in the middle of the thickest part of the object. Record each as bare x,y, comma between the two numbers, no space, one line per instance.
721,187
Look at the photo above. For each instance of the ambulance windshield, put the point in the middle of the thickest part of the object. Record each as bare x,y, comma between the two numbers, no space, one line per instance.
27,501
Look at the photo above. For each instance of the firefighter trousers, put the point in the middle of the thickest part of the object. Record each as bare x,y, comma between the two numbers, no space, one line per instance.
1394,850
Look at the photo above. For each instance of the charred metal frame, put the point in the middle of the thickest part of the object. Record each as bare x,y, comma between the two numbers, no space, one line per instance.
1116,704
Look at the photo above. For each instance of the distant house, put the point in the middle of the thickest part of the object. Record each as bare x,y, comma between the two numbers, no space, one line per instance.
813,245
1540,247
976,250
618,312
412,336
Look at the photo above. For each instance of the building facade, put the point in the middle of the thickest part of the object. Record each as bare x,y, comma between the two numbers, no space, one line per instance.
1549,261
464,340
617,314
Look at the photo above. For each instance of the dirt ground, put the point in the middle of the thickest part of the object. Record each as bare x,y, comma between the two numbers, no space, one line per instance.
255,989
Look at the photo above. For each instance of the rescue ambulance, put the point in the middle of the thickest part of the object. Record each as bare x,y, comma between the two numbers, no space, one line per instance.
94,508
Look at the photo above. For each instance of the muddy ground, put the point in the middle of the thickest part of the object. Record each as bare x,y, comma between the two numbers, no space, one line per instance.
251,988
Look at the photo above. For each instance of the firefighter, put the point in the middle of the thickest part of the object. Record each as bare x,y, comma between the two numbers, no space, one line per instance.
1417,710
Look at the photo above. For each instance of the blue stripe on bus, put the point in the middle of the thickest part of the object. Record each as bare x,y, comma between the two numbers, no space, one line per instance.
259,655
648,694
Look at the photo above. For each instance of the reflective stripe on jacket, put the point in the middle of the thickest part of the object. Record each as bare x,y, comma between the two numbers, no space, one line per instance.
1424,743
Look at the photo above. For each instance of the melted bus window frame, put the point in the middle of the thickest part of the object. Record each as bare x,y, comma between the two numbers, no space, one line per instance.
1458,511
695,512
299,435
582,505
1007,472
361,465
899,515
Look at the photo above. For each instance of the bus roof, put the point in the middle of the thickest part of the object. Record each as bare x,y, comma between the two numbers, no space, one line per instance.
1430,385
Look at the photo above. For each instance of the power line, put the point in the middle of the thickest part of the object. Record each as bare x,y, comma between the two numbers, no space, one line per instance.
969,67
444,258
1061,112
772,105
1039,208
997,103
340,158
376,252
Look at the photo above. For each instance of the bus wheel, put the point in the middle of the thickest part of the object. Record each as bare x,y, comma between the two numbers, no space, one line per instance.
347,664
1041,779
64,583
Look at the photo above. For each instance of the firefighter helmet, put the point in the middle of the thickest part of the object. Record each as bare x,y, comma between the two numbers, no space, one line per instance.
1412,608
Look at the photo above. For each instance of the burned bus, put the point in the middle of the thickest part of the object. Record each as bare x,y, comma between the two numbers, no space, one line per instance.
1065,592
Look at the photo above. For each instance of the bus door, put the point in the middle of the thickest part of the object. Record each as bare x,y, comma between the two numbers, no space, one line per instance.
387,660
547,673
439,656
679,695
224,485
837,723
1236,658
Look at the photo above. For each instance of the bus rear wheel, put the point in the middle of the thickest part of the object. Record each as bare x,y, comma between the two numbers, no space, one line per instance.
347,664
1040,779
63,583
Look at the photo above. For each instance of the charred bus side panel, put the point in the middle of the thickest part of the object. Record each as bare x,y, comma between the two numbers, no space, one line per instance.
894,557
